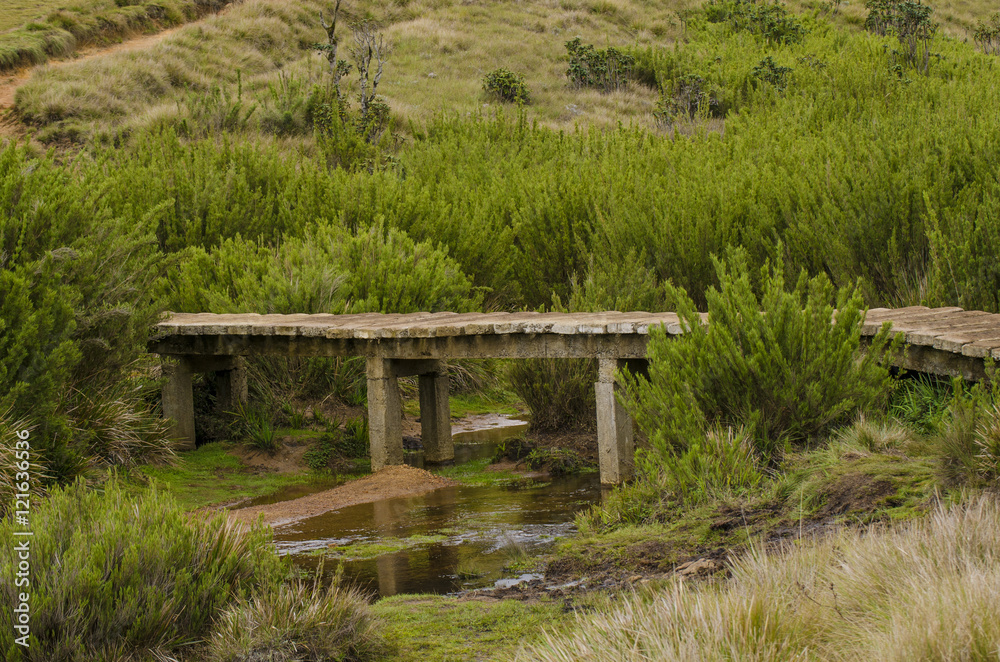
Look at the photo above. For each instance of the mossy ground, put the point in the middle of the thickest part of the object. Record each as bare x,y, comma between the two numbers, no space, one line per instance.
212,475
372,549
435,628
819,491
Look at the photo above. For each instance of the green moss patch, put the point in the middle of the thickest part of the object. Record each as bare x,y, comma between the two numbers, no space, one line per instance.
211,475
382,546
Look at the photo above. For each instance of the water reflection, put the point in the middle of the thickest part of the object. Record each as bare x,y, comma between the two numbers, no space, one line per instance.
480,532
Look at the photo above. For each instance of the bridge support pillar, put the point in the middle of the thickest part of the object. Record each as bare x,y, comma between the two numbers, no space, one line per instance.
615,437
385,414
435,415
232,386
178,400
178,397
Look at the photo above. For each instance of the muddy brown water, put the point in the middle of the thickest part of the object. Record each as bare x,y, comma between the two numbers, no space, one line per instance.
453,539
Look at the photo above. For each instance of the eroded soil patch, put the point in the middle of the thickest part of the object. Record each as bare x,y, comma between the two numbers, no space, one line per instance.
388,483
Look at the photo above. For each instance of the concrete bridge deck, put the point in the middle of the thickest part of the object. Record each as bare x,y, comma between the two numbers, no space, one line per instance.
941,341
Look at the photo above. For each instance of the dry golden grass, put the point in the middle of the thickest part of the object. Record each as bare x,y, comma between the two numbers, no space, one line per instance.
927,591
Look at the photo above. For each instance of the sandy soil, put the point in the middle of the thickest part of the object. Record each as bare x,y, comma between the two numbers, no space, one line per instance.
389,483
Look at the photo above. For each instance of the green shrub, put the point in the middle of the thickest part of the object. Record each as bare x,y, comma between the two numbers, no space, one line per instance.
607,70
910,22
323,451
968,445
987,35
506,86
559,393
771,21
118,577
298,622
690,98
722,463
768,72
774,363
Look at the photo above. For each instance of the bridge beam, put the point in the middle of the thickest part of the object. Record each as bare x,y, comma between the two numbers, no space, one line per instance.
615,436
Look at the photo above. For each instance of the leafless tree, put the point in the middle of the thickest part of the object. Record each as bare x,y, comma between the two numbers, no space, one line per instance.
370,52
338,68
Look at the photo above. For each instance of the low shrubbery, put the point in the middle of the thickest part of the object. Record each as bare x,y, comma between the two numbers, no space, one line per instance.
506,86
115,577
559,393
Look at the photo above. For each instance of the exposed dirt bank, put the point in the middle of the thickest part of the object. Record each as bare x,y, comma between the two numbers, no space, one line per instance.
391,482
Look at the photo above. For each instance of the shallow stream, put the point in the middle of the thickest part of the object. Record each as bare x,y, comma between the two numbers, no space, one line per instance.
451,539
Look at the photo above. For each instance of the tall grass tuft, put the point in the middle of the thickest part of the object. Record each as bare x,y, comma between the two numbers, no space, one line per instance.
928,590
968,446
298,622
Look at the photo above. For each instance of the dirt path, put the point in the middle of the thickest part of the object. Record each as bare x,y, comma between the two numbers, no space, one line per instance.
10,81
389,483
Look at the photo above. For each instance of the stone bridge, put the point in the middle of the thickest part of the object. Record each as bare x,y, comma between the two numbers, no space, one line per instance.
940,341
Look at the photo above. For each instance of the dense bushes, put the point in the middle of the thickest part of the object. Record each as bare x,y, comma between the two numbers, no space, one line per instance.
772,362
328,270
848,171
114,577
76,309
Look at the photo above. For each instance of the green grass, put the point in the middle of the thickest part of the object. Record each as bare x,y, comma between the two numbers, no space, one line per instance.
434,628
474,473
14,13
211,475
